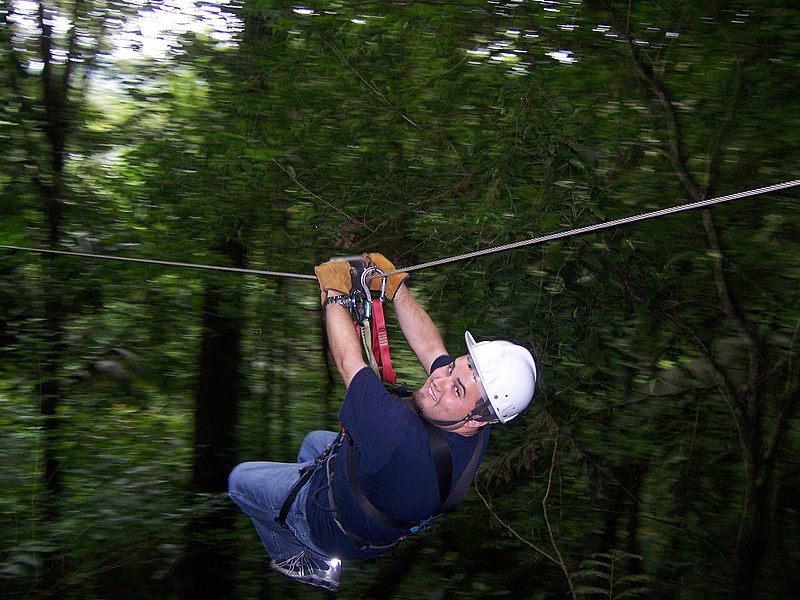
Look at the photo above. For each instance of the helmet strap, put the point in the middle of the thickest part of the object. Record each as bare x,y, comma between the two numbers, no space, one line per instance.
446,424
482,414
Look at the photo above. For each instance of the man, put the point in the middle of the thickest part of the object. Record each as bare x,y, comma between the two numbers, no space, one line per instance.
399,464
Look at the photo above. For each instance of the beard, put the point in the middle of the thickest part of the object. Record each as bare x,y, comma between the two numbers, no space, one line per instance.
417,399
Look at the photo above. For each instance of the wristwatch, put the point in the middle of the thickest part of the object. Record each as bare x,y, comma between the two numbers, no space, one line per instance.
341,299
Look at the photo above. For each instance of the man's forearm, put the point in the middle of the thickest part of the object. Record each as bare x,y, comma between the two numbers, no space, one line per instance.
343,342
418,328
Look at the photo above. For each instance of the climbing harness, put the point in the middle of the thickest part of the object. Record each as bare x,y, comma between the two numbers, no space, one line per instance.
486,251
450,499
341,449
450,496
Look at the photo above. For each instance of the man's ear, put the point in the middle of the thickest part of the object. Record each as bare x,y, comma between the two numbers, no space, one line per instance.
473,424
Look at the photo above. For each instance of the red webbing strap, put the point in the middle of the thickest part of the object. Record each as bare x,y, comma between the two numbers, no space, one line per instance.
380,343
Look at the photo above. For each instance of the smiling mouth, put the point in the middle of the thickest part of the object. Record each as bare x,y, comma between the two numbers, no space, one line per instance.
432,395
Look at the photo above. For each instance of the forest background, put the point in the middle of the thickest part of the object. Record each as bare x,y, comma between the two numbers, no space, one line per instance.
660,457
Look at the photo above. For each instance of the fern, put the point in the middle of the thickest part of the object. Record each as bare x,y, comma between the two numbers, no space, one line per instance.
600,577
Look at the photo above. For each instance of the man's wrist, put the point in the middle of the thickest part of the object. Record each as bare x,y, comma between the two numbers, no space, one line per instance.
335,297
402,292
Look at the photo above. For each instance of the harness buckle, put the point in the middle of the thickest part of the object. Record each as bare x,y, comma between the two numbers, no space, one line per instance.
360,306
423,525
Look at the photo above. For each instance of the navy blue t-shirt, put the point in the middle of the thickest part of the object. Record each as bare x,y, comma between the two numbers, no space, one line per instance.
395,468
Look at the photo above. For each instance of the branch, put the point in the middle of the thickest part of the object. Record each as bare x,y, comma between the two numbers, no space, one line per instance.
290,173
370,85
675,156
511,530
547,518
556,557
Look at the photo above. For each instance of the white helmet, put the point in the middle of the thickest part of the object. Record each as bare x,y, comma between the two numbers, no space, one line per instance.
506,374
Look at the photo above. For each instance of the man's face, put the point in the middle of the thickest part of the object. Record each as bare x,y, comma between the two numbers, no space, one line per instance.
450,393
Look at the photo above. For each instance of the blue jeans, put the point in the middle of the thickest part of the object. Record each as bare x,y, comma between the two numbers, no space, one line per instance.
260,488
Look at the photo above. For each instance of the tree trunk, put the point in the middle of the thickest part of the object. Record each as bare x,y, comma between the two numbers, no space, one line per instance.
761,508
208,564
49,179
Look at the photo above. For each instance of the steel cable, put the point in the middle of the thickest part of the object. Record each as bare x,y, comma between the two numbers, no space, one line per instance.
599,226
441,261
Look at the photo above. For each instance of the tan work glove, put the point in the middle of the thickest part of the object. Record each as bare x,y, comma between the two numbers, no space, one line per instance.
384,264
333,275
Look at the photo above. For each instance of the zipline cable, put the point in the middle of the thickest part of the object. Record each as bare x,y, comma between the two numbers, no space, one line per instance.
469,255
167,263
600,226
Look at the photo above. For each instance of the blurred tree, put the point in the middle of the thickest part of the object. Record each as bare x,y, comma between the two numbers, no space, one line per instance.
49,50
659,452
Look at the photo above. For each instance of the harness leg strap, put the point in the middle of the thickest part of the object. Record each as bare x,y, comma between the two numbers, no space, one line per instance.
305,477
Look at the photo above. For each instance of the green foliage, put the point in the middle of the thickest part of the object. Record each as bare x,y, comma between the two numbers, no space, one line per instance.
603,580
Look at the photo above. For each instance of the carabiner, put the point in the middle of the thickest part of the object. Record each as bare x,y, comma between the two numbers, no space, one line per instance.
366,291
365,282
383,285
358,306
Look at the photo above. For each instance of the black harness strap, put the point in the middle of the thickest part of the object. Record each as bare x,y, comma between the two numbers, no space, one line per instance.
444,469
441,458
305,476
456,497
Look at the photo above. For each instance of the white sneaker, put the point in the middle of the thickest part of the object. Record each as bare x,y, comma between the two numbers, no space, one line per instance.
318,573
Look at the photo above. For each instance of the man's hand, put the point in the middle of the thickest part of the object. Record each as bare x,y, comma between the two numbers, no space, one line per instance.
333,275
384,264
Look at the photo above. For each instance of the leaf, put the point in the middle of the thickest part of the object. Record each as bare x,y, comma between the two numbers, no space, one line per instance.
587,589
634,592
605,574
